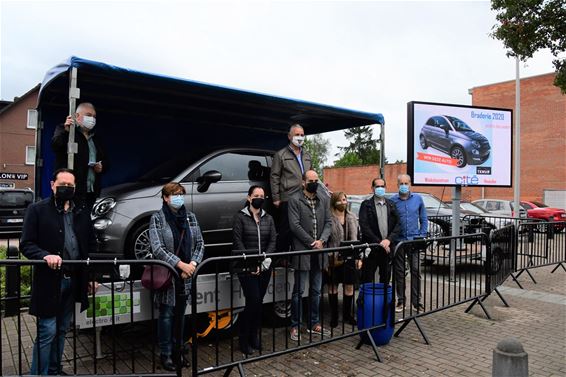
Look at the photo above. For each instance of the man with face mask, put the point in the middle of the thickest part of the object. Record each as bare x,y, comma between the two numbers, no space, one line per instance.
379,223
55,230
89,157
289,165
414,224
310,225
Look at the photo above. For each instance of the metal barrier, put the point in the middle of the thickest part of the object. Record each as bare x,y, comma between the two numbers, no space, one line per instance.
435,274
539,244
116,302
221,353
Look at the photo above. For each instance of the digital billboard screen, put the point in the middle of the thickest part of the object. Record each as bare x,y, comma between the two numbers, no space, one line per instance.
457,145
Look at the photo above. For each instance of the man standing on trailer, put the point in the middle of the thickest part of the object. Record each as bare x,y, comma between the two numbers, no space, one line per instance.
89,157
289,165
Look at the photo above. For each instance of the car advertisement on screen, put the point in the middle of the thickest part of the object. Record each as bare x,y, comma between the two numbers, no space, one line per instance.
457,145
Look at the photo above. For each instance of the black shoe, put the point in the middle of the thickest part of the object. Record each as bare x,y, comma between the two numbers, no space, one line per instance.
255,344
167,363
419,308
246,350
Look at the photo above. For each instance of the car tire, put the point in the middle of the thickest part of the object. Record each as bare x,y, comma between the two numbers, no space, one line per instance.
138,246
424,144
458,153
280,313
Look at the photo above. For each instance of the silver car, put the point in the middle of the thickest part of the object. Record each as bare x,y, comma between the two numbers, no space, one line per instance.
216,186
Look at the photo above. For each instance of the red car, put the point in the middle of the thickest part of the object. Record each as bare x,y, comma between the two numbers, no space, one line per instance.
540,210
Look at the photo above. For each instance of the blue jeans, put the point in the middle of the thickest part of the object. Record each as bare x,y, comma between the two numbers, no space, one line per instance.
48,351
165,328
315,285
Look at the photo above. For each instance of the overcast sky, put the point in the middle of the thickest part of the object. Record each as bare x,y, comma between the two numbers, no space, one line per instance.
370,56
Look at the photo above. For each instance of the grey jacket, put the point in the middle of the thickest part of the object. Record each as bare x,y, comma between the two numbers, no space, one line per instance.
337,235
162,247
301,226
286,175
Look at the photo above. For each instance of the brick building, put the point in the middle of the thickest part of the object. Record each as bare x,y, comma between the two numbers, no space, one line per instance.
17,141
543,145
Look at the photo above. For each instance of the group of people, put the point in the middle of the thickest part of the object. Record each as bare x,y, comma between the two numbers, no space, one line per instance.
59,228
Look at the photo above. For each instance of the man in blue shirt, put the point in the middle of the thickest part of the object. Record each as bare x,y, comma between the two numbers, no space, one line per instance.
414,224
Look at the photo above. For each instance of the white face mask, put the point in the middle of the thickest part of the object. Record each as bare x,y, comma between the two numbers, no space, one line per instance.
88,122
298,141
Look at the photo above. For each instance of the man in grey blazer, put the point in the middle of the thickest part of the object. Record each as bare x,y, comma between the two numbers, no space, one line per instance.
310,225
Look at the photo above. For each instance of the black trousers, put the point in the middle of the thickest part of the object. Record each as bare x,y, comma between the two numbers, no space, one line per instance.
254,287
284,232
377,258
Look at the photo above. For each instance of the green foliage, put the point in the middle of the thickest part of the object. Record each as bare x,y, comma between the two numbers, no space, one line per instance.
318,147
348,159
362,149
526,26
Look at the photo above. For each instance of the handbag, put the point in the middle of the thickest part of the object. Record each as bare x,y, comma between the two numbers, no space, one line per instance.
156,277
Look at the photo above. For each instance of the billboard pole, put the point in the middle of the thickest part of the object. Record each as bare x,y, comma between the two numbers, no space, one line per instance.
382,151
517,146
454,244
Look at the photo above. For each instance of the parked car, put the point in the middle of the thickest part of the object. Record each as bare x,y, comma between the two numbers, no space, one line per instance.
13,204
454,137
216,187
499,207
538,210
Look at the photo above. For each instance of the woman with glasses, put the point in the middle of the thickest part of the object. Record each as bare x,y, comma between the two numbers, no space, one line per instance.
176,239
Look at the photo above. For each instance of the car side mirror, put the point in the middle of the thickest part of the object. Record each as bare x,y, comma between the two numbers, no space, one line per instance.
205,180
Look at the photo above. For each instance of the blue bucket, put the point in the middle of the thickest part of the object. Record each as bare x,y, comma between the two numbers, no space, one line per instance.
372,311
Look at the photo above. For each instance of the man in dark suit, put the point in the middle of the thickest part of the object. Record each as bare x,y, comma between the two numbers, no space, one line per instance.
379,223
56,230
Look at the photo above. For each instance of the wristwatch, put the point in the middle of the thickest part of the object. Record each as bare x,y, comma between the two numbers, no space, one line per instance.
194,263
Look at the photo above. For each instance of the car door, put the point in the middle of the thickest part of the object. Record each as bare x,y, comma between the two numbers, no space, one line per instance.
216,206
444,142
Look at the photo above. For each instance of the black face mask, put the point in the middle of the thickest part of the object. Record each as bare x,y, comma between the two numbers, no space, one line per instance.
257,203
64,193
311,187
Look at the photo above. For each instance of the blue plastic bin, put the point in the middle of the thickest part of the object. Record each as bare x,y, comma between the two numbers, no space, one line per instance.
371,312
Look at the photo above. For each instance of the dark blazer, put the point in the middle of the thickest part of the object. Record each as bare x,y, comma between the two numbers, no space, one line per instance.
59,146
368,222
43,234
301,225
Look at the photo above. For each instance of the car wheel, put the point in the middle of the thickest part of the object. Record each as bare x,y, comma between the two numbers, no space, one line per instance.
139,246
424,144
458,154
280,313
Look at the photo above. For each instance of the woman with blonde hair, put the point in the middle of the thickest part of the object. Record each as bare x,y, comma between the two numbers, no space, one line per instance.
344,228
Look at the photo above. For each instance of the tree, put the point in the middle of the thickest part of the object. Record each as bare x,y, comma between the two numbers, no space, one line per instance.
526,26
362,149
318,147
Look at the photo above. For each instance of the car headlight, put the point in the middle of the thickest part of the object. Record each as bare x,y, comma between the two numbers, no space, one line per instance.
476,144
103,206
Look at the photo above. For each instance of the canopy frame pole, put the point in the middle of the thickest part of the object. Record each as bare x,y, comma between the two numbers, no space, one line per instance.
74,94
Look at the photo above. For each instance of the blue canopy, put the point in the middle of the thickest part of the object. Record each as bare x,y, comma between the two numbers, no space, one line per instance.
144,119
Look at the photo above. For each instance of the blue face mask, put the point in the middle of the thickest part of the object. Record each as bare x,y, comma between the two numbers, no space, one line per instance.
379,191
177,201
404,189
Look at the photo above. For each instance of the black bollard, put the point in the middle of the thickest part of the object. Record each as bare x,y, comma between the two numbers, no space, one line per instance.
510,359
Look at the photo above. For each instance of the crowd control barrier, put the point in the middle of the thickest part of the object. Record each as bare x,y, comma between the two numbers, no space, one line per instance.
86,352
222,351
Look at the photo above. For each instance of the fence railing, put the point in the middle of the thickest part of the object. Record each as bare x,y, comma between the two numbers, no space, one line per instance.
222,352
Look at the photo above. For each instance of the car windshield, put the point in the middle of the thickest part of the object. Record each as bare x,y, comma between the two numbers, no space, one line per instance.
539,204
472,208
458,124
431,201
15,199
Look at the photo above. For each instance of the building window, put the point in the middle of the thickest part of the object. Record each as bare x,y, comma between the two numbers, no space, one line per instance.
32,120
30,155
